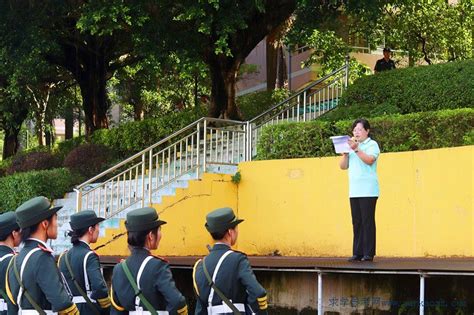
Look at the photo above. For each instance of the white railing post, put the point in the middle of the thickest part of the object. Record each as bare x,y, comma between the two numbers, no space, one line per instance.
346,78
198,146
143,183
320,293
150,179
298,108
304,105
204,158
422,294
248,133
78,199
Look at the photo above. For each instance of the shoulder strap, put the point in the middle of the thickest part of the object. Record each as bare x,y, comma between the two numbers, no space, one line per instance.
138,292
216,289
78,287
86,277
5,257
20,283
2,292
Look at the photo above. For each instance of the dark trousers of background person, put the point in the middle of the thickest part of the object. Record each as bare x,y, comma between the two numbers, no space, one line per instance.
363,224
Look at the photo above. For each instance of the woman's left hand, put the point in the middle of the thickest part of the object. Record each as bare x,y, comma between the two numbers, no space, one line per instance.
353,144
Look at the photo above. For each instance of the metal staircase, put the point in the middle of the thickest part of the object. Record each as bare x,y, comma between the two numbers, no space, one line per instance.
203,145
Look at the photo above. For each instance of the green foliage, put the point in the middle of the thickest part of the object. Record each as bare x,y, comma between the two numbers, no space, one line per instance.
63,148
395,133
4,165
133,137
402,91
20,187
236,178
89,159
253,104
432,30
155,88
33,161
330,52
295,140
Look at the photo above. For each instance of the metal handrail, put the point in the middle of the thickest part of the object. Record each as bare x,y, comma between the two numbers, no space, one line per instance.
136,155
300,92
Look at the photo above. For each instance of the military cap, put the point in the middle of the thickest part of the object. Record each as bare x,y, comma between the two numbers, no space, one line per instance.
143,219
34,211
8,223
387,49
84,219
220,220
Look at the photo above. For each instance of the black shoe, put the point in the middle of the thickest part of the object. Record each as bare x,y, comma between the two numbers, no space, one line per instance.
367,258
355,258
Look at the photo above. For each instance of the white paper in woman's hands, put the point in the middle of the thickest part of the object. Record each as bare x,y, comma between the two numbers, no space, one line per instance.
340,144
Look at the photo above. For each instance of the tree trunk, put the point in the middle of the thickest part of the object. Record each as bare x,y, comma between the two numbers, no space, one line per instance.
10,142
40,130
224,72
94,96
49,134
89,69
282,75
69,123
138,112
271,63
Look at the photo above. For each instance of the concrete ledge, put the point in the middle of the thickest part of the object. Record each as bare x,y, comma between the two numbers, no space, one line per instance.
392,264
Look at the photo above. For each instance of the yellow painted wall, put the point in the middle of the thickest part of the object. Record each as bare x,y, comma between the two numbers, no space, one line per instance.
185,213
300,207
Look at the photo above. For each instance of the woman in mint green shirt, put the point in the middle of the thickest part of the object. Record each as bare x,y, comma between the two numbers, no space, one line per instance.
363,189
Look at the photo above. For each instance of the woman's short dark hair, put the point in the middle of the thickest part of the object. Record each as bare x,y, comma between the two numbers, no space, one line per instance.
78,233
363,122
26,232
218,235
137,239
4,237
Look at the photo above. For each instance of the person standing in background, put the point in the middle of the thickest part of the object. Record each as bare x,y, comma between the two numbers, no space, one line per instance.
385,63
363,189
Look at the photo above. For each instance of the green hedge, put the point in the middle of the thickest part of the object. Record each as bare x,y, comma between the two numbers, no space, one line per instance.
403,91
417,131
20,187
253,104
135,136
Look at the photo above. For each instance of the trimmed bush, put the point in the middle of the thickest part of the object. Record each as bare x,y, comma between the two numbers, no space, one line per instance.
89,159
417,131
33,161
403,91
4,165
20,187
132,137
253,104
63,148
